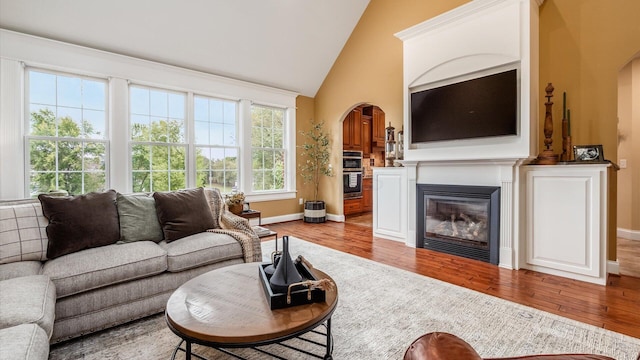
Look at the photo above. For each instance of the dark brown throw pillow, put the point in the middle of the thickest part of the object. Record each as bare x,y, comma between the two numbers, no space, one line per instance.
183,213
80,222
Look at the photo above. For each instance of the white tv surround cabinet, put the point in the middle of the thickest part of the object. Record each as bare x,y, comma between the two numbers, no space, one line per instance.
552,219
390,204
566,220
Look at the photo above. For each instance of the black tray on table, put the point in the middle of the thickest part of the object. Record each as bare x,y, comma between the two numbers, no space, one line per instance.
299,294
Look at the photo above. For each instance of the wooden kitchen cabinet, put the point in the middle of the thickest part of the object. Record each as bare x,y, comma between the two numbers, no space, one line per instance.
367,194
352,206
352,130
378,128
366,136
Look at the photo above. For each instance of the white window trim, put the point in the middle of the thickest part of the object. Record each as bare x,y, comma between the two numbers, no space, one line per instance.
27,118
289,192
19,49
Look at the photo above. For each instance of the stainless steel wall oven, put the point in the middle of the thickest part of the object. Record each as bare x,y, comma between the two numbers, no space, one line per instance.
352,174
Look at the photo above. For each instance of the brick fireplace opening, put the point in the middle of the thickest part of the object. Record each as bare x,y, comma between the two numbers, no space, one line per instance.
459,220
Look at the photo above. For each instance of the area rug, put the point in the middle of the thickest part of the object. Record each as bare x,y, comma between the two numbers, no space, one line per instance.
381,310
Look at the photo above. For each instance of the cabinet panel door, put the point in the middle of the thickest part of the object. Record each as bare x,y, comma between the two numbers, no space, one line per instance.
357,129
367,194
352,206
347,134
366,137
379,129
565,226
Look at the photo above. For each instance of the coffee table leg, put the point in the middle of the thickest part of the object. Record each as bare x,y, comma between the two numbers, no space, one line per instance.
327,355
187,354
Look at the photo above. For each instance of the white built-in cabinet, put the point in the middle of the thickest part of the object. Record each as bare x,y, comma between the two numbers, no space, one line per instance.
566,220
390,203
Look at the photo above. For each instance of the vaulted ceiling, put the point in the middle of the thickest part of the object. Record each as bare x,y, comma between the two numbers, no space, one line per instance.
288,44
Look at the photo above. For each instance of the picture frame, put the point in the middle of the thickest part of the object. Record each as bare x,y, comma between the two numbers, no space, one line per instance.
245,206
588,153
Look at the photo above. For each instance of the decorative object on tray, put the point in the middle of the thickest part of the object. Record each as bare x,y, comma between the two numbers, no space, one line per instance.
547,157
307,289
286,272
235,202
588,153
566,130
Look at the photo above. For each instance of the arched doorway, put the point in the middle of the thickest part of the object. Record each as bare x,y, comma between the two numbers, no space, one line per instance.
363,139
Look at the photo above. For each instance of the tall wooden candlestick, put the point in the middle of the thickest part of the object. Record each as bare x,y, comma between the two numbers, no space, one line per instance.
547,157
566,138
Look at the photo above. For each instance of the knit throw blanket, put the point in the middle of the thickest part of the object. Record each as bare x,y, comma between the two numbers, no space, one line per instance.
234,226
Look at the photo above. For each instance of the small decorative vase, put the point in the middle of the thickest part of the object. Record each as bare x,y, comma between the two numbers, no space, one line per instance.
286,272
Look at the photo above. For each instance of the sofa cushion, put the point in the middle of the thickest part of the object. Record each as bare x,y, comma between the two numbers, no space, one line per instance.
80,222
138,219
20,268
23,233
183,213
200,249
28,300
24,342
94,268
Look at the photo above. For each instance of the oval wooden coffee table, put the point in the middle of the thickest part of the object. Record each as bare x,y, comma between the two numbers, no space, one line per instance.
226,308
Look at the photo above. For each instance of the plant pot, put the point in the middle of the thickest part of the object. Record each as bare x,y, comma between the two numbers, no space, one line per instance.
315,212
236,208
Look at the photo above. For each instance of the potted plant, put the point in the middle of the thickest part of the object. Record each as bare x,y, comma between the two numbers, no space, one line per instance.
235,202
316,151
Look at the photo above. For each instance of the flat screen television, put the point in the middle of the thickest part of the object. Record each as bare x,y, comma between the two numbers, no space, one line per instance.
482,107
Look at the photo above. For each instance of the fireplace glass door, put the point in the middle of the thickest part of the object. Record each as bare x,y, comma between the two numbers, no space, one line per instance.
462,220
457,220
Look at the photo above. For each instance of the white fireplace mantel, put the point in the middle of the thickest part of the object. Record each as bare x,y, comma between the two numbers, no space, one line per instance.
467,42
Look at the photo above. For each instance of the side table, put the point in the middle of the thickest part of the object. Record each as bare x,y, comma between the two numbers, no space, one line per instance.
252,214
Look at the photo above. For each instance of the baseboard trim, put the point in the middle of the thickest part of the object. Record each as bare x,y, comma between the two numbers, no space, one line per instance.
628,234
613,267
298,216
282,218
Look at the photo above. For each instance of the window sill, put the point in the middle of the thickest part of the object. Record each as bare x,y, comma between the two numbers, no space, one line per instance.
280,195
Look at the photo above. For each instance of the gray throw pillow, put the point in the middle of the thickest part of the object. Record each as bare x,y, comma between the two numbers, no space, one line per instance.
138,219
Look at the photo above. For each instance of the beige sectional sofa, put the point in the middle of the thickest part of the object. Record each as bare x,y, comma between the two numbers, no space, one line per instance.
55,286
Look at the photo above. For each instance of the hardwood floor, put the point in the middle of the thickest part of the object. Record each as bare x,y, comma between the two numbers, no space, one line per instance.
629,257
615,306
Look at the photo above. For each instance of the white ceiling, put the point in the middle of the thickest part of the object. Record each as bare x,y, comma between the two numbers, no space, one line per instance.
288,44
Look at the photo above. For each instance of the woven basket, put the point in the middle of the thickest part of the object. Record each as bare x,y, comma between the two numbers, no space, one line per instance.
236,208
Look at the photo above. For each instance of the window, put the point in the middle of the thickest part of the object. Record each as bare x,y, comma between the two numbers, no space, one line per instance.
158,148
216,143
66,143
267,148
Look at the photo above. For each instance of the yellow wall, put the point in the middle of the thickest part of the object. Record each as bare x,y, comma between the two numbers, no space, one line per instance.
583,45
629,146
369,70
